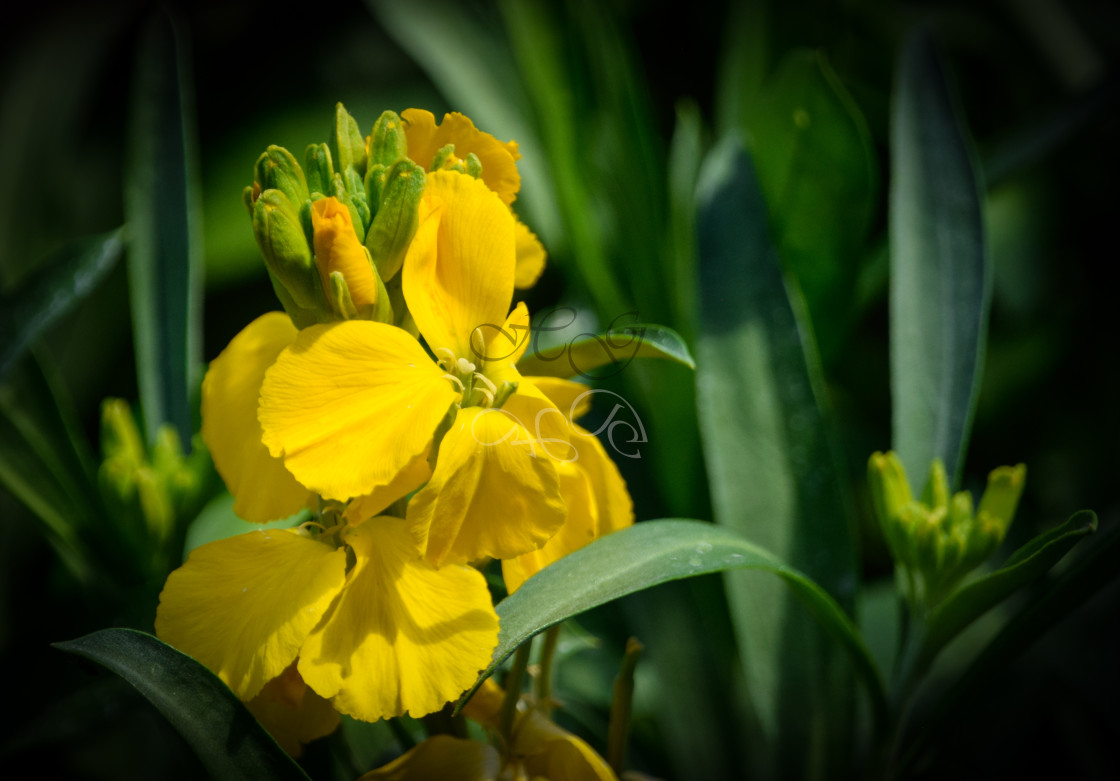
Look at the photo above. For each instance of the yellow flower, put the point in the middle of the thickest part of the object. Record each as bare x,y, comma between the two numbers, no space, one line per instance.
292,713
263,489
368,624
351,406
499,172
536,748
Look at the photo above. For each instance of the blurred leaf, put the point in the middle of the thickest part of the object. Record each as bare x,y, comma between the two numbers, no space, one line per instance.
45,462
743,65
163,215
588,352
1099,567
540,56
73,273
816,167
650,553
686,152
226,737
940,287
1029,563
217,522
771,466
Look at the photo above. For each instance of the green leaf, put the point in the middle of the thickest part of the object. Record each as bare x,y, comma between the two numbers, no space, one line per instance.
46,464
654,552
1099,567
816,167
771,465
164,216
940,286
226,737
586,353
1031,562
73,273
686,152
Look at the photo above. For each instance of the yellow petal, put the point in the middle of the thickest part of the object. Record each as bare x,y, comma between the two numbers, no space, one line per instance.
403,635
549,751
615,509
499,160
262,488
571,398
442,757
485,704
530,257
243,606
411,477
493,493
292,713
458,273
337,248
580,528
350,406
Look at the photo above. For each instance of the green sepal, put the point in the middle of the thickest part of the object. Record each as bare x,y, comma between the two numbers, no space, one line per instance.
397,217
340,191
248,195
473,165
346,142
356,189
341,302
375,186
387,142
283,242
320,168
445,159
276,169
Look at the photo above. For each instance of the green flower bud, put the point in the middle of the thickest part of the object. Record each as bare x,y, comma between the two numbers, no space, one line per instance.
281,238
474,165
375,186
356,189
387,142
346,142
320,168
397,217
1001,497
276,169
340,191
939,539
120,436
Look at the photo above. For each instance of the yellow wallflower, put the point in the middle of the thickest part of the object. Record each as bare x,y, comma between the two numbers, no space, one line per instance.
350,406
499,172
536,748
380,635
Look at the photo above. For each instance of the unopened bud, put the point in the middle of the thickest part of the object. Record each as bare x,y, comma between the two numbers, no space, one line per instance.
397,217
387,142
347,145
280,236
319,167
276,169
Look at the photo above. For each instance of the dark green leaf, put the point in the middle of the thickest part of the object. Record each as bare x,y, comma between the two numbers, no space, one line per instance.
975,599
226,737
71,275
654,552
45,463
940,286
770,463
816,168
587,353
165,239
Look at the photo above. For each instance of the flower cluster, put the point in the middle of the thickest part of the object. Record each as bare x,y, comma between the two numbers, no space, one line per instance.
387,401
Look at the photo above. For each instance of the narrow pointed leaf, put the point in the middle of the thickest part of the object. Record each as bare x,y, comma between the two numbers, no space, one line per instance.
977,598
163,214
226,737
940,286
74,272
45,462
771,466
592,356
654,552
